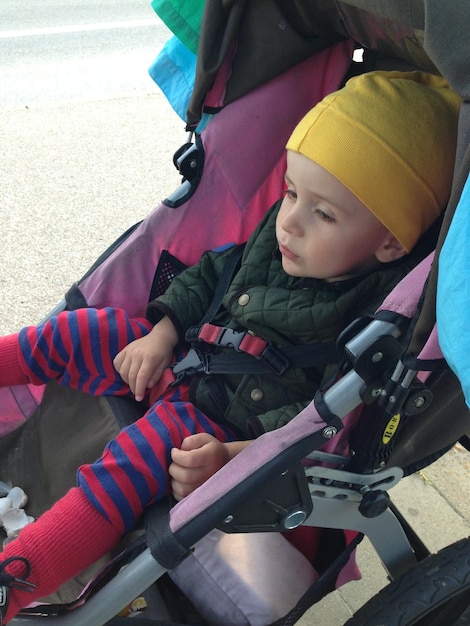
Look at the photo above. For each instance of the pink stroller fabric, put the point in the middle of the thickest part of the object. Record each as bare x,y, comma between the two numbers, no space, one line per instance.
243,176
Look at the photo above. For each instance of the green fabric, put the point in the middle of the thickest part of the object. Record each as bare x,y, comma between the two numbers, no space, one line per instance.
281,309
183,18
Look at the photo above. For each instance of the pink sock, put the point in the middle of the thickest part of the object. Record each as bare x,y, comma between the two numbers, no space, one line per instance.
58,545
11,372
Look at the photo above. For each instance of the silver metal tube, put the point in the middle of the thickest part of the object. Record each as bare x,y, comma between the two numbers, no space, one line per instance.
129,583
344,396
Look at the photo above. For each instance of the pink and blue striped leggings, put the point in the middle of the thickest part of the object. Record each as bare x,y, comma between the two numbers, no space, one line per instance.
77,349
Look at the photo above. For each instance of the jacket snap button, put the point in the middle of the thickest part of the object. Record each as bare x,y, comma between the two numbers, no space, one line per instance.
243,299
257,395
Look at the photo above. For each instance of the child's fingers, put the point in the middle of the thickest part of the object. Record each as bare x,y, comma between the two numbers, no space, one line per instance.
181,490
193,442
192,467
184,474
191,453
119,363
185,458
185,480
140,383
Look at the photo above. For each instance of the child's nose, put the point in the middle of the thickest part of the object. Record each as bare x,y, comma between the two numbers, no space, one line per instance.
291,222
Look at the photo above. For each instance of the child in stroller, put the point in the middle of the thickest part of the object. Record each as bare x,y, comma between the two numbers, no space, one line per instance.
392,121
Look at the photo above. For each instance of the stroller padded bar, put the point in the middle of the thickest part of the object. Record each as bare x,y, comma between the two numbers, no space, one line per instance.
268,455
404,298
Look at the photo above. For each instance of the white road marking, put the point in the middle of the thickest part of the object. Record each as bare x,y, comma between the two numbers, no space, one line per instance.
77,28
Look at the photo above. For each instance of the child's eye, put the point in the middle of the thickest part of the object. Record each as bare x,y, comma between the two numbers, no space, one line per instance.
290,193
326,217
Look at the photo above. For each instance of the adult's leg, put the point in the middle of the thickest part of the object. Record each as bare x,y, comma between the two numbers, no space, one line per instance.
76,348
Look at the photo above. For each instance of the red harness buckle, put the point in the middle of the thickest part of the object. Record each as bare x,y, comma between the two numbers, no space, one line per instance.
241,341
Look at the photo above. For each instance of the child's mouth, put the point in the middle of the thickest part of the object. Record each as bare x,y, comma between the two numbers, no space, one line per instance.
287,253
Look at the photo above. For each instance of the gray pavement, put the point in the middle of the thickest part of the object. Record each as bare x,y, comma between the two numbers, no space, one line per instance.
74,175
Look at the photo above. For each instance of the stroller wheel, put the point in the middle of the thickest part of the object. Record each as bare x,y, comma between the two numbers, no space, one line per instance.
436,592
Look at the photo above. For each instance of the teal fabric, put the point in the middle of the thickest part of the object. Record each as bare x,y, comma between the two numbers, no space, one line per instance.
183,18
453,294
173,71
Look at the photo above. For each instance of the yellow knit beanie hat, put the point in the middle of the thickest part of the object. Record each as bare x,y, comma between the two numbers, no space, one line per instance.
390,137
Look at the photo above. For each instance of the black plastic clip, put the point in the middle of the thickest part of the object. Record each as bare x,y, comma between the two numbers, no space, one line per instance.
192,363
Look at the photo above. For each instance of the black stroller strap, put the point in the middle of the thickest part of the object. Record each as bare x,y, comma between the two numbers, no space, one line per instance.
201,359
163,545
424,365
324,412
275,361
231,266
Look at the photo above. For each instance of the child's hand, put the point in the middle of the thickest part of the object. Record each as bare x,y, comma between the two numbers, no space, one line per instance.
199,457
142,362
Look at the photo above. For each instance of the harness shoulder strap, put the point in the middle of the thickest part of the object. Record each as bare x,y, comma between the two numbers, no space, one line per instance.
251,355
231,266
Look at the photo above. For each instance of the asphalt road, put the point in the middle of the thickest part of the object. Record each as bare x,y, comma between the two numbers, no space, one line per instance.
86,142
76,49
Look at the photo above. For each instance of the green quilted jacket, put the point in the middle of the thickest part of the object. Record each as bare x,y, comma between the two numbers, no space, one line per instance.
279,308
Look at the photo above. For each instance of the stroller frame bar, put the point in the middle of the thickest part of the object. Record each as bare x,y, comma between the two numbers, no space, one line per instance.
129,583
384,531
330,509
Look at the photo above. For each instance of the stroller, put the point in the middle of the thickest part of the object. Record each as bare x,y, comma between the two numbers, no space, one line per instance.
306,472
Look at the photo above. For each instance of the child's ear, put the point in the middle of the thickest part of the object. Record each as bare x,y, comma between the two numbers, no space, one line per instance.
390,250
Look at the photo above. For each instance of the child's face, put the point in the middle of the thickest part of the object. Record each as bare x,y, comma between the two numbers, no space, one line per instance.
323,230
